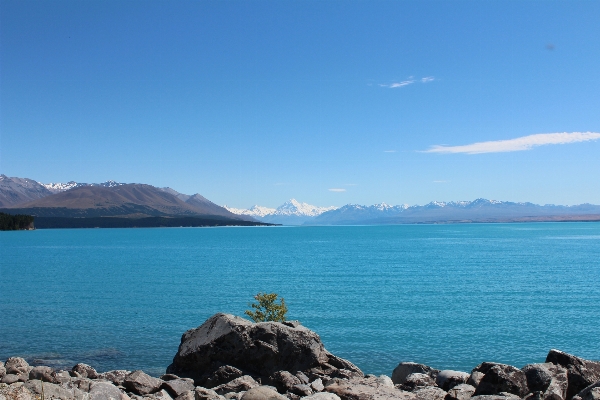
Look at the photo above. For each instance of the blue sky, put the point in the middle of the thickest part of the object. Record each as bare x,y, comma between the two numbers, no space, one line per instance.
255,102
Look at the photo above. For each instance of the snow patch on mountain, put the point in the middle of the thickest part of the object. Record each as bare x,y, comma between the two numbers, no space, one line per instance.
290,208
61,187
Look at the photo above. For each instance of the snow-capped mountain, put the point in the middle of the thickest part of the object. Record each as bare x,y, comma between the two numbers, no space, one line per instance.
479,210
292,212
61,187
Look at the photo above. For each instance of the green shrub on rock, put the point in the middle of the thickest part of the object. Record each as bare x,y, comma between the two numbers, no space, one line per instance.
266,308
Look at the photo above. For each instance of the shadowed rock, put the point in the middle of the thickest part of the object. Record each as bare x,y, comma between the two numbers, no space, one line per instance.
548,379
591,392
501,378
581,373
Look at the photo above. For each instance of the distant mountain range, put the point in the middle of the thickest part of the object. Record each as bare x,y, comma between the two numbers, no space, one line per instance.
480,210
114,199
291,212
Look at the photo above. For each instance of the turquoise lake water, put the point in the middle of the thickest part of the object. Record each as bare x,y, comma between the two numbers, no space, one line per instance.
450,296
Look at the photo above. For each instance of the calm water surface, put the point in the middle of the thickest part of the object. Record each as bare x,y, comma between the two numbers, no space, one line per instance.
450,296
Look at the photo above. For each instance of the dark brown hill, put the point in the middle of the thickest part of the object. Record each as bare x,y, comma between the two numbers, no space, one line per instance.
134,200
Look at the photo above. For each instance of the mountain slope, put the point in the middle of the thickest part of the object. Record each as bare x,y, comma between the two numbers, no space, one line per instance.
135,200
15,191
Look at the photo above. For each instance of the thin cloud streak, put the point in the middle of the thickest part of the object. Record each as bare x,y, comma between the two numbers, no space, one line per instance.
407,82
337,190
517,144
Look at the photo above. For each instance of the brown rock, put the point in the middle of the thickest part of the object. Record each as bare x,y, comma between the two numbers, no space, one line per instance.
501,378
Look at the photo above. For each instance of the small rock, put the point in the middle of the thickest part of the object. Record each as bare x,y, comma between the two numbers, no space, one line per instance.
462,391
591,392
237,385
85,371
116,376
500,396
384,380
317,385
322,396
303,378
141,383
10,379
447,379
302,390
161,395
222,375
177,387
234,396
548,379
104,391
475,378
262,393
17,366
61,377
2,370
430,393
417,380
501,378
168,377
206,394
42,373
404,369
284,381
189,395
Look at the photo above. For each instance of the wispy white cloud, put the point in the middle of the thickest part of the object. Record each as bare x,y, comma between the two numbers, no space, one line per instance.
389,151
409,81
517,144
337,190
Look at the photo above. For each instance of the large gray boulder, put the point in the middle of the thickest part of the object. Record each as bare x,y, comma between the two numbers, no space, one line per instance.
206,394
581,373
258,349
548,379
417,380
404,369
500,378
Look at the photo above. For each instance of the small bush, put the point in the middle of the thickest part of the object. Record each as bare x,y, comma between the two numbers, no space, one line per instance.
266,308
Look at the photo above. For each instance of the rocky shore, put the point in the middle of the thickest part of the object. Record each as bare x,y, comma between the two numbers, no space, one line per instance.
230,358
